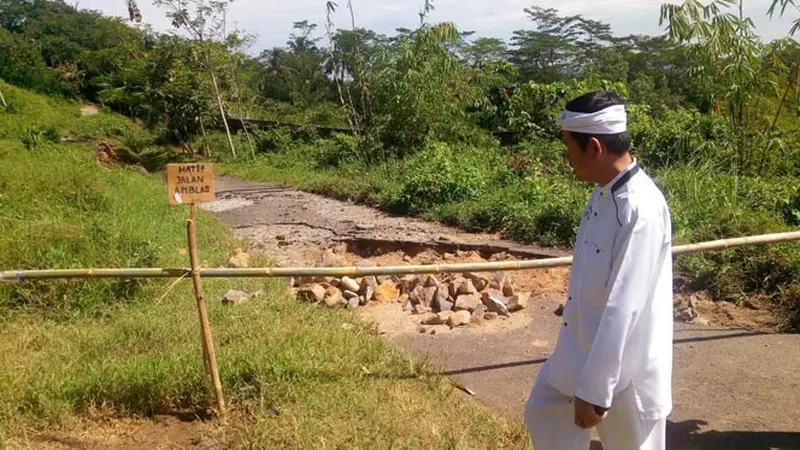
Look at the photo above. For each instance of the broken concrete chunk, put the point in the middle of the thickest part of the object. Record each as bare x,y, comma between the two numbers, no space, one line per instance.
466,288
495,302
421,309
467,302
234,297
459,319
428,295
518,302
367,288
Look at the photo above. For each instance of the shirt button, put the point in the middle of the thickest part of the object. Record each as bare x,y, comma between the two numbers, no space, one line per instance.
595,214
565,323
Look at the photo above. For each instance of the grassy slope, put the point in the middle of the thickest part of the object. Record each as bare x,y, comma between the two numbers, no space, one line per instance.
70,349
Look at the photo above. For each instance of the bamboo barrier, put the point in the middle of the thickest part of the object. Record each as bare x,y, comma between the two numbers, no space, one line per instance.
286,272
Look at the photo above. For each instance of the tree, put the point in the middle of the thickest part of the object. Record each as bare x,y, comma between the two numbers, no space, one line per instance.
204,21
483,51
728,58
560,47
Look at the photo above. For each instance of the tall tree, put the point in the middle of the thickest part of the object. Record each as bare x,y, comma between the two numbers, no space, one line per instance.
204,21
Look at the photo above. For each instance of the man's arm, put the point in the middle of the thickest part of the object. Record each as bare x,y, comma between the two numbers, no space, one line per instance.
635,256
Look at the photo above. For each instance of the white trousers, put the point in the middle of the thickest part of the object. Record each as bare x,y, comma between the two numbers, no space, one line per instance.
550,419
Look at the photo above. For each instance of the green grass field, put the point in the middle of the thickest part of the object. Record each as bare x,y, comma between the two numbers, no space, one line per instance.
72,351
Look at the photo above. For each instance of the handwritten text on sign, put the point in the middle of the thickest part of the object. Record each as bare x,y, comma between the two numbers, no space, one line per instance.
190,183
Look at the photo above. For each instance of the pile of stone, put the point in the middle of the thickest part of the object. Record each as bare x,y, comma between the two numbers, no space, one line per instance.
450,299
686,310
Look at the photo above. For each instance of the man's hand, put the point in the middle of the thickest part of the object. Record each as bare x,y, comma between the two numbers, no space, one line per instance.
585,415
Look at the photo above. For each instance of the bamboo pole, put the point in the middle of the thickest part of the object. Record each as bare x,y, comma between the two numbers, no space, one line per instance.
286,272
209,356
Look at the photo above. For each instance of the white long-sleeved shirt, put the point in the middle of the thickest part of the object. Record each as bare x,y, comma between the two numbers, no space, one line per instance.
617,322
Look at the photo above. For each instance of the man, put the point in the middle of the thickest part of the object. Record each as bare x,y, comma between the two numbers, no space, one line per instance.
612,365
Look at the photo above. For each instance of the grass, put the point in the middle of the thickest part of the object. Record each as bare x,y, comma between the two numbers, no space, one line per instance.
295,376
29,111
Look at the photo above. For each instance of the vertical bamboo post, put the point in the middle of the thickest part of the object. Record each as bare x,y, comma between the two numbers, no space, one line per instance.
209,357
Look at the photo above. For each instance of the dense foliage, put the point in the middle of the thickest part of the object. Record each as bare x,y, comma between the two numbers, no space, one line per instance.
456,127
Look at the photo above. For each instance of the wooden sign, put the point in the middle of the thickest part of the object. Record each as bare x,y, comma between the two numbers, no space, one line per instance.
190,183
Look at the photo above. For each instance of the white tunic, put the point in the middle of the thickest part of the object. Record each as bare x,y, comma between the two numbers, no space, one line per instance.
617,323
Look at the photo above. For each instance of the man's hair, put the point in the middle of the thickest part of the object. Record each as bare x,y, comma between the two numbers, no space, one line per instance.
591,103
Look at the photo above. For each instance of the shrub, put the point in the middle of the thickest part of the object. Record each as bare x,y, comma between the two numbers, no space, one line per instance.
437,175
268,141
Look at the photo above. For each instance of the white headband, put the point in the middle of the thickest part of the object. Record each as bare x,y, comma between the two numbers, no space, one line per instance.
611,120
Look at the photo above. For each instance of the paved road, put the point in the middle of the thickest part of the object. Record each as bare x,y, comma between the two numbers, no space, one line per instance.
734,389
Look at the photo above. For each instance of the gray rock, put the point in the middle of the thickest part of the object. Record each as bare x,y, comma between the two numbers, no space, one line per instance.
258,294
685,315
518,302
467,302
408,283
349,295
333,297
432,319
490,316
407,306
453,286
428,295
349,284
444,316
466,288
367,288
421,309
430,281
700,321
480,310
441,295
417,295
495,302
311,292
422,330
353,302
234,297
478,281
459,319
445,305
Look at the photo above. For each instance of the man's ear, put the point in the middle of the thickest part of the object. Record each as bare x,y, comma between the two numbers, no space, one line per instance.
595,147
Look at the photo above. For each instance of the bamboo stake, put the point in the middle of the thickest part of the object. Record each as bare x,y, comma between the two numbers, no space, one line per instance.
209,357
286,272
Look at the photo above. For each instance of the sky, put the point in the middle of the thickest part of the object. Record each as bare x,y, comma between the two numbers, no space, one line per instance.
271,21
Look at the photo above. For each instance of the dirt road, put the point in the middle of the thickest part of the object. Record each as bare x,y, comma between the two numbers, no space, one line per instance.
735,387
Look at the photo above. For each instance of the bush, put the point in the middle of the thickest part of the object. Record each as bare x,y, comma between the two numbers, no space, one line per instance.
437,175
268,141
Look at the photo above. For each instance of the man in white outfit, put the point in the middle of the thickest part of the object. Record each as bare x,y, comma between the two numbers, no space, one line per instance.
612,365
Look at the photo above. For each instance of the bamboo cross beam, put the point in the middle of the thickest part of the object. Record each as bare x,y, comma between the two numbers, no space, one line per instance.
286,272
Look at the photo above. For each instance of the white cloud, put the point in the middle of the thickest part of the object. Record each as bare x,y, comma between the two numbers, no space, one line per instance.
272,21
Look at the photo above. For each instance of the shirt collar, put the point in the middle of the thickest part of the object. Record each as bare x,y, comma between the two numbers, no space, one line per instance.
626,172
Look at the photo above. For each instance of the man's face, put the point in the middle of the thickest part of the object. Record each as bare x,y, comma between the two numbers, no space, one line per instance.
583,161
